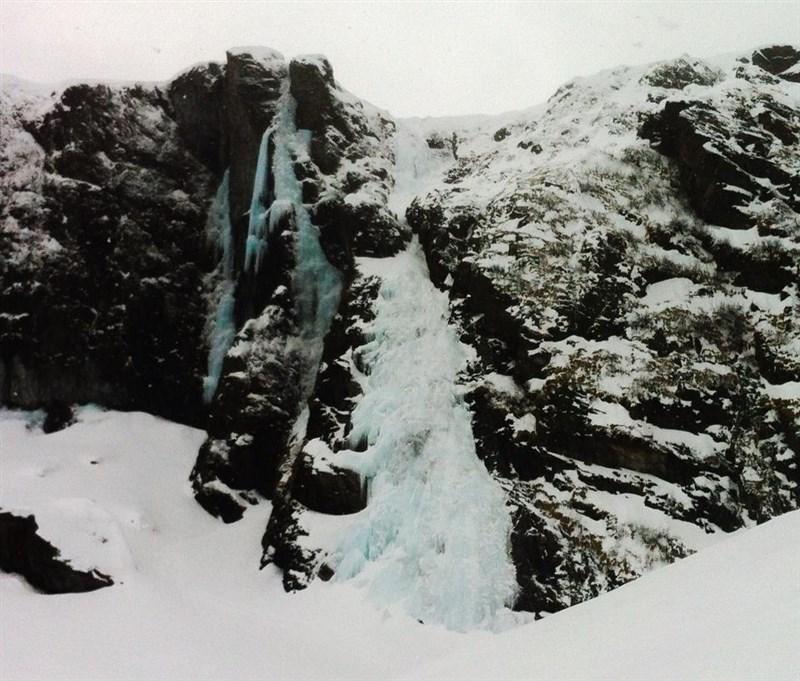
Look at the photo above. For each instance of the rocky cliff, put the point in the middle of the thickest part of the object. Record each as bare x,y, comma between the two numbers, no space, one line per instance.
584,364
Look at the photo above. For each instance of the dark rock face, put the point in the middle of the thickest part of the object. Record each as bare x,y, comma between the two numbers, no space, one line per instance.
110,309
312,87
252,88
721,180
334,491
281,547
364,230
198,100
443,237
337,389
25,552
59,416
343,147
777,60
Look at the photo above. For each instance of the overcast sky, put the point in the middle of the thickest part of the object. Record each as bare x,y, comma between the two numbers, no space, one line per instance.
412,59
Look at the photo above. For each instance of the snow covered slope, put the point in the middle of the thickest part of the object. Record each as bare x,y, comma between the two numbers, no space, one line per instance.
190,602
632,366
729,612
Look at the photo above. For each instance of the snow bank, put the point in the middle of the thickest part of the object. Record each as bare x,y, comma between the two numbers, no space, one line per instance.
729,612
190,601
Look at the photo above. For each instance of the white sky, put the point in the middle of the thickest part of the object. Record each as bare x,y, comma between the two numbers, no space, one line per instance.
410,58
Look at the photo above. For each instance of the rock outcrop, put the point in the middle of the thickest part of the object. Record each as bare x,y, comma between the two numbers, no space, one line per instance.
101,280
779,60
24,552
618,332
339,180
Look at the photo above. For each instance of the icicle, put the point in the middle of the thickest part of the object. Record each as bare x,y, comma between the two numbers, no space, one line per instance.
223,329
222,219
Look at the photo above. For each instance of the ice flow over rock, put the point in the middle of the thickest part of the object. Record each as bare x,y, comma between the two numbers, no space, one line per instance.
436,529
223,328
435,533
316,284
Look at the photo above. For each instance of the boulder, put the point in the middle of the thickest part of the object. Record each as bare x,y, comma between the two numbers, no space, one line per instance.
328,489
25,552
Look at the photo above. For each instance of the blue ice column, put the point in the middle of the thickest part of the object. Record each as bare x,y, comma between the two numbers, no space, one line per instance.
224,328
257,228
317,285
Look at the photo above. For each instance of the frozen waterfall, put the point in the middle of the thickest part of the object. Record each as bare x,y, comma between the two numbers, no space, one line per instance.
223,329
316,284
436,529
257,232
435,534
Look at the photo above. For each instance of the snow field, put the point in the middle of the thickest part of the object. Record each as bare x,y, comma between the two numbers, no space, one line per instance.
190,603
